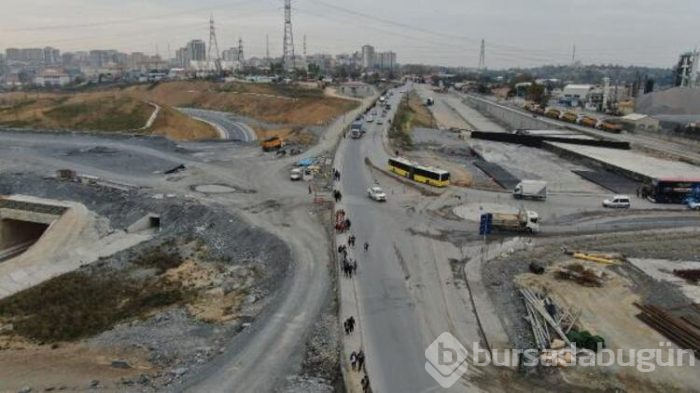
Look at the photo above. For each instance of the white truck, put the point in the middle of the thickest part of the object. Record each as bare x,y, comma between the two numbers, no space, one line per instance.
356,130
535,189
523,221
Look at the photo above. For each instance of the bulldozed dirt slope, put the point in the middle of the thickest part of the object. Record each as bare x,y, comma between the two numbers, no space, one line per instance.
270,103
109,111
120,110
102,111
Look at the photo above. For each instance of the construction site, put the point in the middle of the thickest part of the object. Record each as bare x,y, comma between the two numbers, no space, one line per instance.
114,246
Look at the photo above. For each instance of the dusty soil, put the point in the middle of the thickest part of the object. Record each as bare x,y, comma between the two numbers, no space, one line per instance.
102,111
175,125
115,110
269,103
73,367
294,135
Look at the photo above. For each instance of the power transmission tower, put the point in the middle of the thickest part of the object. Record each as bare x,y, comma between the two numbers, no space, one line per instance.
214,58
240,50
573,56
482,56
305,46
267,47
288,50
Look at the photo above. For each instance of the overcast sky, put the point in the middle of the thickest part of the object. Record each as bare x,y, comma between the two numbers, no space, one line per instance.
448,32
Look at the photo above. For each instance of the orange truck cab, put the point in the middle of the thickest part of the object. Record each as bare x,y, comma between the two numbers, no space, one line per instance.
270,144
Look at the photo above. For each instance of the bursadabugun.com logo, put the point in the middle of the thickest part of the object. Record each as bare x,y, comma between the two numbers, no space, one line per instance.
448,359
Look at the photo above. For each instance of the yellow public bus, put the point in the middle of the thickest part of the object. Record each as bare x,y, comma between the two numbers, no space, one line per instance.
419,173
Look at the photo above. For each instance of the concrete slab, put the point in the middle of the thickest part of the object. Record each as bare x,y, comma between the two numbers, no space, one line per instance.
635,164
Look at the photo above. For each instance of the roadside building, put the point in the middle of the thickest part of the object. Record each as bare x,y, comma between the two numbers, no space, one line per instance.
637,122
52,77
355,89
575,95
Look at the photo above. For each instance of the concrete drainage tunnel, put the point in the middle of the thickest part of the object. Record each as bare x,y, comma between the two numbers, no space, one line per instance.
22,224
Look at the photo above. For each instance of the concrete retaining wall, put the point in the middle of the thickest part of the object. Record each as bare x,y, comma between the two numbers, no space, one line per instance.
509,117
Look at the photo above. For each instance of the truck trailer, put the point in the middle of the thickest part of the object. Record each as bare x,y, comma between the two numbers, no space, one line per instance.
534,189
523,221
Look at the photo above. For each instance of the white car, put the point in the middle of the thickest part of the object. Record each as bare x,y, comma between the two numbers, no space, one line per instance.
694,205
377,194
618,201
369,119
380,121
295,174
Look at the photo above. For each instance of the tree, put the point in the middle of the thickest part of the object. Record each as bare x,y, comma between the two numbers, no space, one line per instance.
538,94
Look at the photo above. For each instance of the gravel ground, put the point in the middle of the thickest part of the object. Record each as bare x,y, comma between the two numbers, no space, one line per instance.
228,238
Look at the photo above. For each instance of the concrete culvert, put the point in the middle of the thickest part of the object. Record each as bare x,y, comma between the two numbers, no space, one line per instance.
16,236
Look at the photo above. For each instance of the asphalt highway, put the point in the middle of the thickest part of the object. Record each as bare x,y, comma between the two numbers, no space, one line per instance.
228,128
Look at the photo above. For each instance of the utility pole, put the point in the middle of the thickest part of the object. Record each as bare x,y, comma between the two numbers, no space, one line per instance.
304,46
214,58
288,48
482,56
573,56
267,47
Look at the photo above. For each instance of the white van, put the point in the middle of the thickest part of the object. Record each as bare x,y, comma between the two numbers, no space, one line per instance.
618,201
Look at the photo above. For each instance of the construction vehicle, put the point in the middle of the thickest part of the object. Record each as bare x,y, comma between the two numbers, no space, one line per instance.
271,144
523,221
609,127
569,117
553,113
535,189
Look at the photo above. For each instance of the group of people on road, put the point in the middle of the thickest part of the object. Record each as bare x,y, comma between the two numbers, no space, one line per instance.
357,361
349,266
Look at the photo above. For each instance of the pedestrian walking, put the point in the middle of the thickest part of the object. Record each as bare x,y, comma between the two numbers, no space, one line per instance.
310,189
351,320
366,246
360,360
353,359
354,266
365,384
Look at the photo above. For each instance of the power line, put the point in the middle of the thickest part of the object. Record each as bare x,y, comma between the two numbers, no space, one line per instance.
160,16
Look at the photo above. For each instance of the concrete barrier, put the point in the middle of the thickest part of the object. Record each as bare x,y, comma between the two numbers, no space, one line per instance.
511,118
538,140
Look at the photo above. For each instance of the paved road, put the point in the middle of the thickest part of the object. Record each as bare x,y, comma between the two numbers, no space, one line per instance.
224,123
407,293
